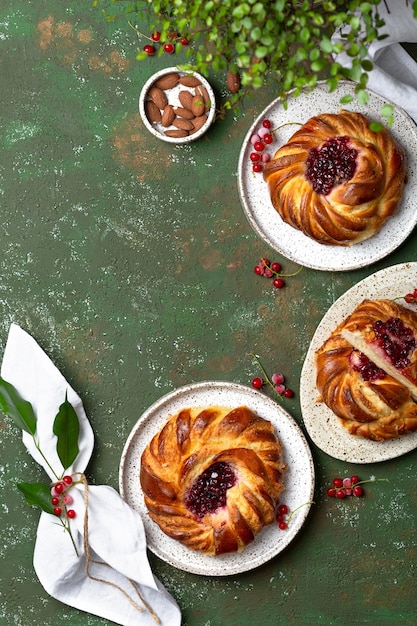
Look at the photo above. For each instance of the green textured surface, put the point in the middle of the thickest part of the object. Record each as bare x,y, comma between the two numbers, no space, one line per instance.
131,263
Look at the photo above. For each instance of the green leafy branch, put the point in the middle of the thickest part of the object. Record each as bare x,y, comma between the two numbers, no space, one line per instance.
66,428
287,43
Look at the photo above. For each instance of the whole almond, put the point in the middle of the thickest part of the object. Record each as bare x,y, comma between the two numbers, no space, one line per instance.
168,81
176,133
168,115
198,105
185,113
189,81
202,91
186,98
152,112
198,122
158,96
233,81
183,124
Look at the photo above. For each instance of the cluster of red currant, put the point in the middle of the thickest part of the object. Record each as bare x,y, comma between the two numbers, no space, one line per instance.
276,381
282,516
411,298
61,499
273,270
351,486
342,487
260,139
167,46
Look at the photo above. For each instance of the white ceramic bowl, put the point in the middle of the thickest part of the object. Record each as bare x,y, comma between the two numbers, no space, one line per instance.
172,95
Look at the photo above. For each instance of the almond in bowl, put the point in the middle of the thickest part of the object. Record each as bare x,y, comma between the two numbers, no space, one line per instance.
177,106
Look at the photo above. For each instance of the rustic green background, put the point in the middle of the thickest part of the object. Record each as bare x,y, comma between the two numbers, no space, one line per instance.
131,262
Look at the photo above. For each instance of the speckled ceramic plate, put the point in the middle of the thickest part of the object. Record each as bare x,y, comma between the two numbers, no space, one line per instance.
322,425
299,478
292,243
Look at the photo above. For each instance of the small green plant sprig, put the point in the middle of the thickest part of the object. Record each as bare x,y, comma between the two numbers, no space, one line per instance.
66,429
287,42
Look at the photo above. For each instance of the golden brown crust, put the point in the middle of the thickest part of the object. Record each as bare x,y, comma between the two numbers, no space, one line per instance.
354,210
377,409
192,441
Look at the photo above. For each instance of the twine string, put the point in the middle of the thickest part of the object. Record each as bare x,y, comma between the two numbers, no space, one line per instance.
89,560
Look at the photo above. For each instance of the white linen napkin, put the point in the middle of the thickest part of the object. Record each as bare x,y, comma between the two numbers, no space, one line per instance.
394,75
111,576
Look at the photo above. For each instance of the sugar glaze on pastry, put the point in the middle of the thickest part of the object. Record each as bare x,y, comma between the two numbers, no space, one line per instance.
211,477
369,397
336,180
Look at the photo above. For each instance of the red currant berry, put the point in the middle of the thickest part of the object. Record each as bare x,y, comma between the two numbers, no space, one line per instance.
283,509
184,41
172,35
258,270
67,480
255,156
58,511
280,389
259,146
156,35
257,383
149,49
257,167
71,513
55,501
331,492
277,378
283,525
288,393
278,283
337,482
276,267
268,138
354,479
358,491
266,124
59,488
169,48
340,493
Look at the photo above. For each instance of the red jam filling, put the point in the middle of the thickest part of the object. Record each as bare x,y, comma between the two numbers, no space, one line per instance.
396,340
209,491
331,164
366,368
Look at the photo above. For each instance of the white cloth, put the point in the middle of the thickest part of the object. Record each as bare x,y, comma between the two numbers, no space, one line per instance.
116,535
394,75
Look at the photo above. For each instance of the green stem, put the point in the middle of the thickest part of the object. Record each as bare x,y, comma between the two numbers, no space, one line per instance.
37,446
296,509
277,273
275,130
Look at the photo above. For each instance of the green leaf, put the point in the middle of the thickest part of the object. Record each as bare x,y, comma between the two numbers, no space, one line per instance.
20,410
37,494
67,429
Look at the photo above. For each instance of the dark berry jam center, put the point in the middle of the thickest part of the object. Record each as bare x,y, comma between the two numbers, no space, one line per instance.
331,164
208,493
366,368
396,340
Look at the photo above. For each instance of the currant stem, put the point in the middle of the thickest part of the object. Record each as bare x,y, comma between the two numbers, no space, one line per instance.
278,275
138,32
296,509
275,130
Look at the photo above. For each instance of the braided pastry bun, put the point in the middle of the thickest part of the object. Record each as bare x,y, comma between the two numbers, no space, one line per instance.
369,401
336,180
211,477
